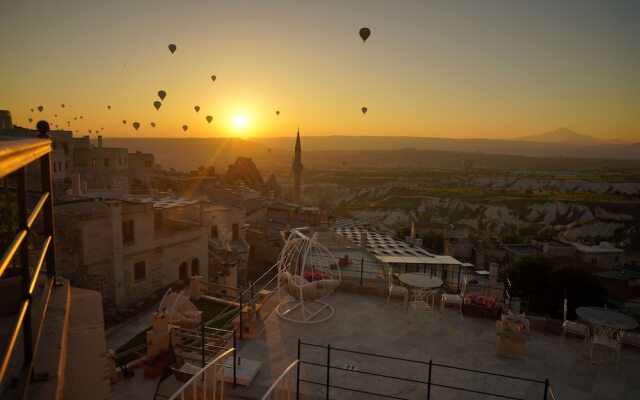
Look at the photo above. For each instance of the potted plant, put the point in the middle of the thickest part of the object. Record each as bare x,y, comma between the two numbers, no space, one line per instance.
154,365
483,306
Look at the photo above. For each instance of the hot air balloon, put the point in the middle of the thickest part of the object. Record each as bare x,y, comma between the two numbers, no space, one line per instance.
56,126
172,48
81,117
55,115
62,105
157,104
364,110
89,130
269,150
213,78
101,128
365,33
162,94
184,128
197,108
277,112
153,124
30,119
124,121
209,118
108,107
40,108
32,110
136,125
75,118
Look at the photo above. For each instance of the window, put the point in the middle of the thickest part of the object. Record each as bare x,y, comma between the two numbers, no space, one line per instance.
147,163
139,271
94,162
54,167
214,231
106,162
235,235
128,231
59,166
119,161
65,146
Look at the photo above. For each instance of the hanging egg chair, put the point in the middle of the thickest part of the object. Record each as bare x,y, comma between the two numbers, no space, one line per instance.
307,273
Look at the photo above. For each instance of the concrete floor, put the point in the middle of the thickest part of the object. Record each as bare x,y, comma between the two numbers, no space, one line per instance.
365,323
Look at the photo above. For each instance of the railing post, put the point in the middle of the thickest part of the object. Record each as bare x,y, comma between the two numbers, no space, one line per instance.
251,286
46,186
202,325
328,368
235,358
361,270
21,176
298,374
546,389
241,312
429,381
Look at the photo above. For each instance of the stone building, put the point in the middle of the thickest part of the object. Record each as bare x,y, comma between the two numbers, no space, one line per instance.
127,249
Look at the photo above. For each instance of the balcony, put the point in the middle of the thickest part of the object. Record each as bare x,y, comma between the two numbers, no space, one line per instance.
27,267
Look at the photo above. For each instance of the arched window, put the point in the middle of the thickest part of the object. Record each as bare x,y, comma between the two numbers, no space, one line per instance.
183,272
195,267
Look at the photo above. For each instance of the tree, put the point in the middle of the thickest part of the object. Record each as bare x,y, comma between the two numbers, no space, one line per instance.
545,284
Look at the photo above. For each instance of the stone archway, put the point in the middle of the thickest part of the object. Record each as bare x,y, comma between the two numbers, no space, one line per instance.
195,267
183,272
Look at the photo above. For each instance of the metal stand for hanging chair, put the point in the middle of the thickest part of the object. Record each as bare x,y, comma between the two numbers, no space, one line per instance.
307,273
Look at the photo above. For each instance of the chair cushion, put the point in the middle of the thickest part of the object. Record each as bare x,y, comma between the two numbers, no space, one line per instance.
452,298
398,289
575,327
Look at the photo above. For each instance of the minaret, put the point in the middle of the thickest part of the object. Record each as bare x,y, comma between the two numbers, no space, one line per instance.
297,170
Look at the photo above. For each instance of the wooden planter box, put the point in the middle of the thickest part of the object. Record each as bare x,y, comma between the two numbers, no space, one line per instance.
480,311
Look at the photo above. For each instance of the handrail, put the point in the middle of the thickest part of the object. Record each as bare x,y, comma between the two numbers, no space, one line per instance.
36,273
280,378
11,251
36,210
14,338
199,373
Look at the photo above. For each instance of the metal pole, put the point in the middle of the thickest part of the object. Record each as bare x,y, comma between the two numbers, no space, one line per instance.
235,360
47,186
298,374
328,367
241,316
546,389
429,381
21,176
202,325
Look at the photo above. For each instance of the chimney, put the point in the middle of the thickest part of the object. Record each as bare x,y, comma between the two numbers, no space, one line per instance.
99,141
363,240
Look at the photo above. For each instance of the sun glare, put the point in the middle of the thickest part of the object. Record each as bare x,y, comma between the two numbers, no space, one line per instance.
240,121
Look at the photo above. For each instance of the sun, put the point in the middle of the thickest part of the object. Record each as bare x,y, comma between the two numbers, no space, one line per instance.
240,122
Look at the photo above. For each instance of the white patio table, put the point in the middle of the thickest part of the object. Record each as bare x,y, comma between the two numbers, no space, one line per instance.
422,281
602,316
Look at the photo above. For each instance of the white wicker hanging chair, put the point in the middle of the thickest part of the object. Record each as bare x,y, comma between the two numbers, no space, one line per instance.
307,273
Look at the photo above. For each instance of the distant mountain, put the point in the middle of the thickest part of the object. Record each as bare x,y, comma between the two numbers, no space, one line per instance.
531,148
561,135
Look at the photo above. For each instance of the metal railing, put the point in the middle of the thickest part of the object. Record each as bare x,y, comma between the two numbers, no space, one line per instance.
199,381
429,368
247,297
283,388
24,320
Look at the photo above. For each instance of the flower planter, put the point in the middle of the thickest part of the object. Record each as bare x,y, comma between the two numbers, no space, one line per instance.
480,311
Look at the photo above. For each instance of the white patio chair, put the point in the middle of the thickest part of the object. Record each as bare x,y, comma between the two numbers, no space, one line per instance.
629,338
395,290
603,336
454,299
422,301
573,327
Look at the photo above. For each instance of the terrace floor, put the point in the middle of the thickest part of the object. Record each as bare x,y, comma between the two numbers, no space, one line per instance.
365,323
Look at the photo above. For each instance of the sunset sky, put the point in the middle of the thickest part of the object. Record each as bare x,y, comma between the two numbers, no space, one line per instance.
495,69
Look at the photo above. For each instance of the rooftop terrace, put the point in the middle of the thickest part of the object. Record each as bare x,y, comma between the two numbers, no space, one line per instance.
365,323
